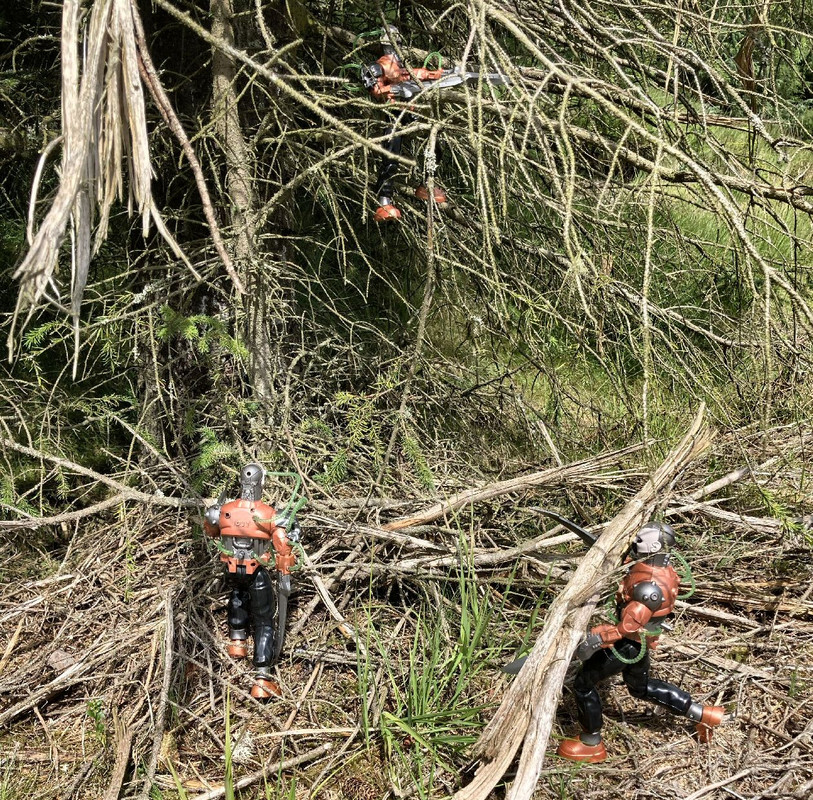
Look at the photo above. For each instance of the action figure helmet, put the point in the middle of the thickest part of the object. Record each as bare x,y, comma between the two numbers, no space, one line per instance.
252,477
391,39
653,538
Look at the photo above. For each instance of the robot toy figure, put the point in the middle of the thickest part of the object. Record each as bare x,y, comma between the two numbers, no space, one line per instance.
388,80
250,533
644,599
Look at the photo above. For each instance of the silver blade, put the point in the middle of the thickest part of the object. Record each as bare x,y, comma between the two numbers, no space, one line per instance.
283,593
449,80
515,666
495,78
457,78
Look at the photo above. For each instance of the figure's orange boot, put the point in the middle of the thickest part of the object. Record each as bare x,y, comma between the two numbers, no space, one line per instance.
387,213
422,193
577,750
712,717
237,648
265,689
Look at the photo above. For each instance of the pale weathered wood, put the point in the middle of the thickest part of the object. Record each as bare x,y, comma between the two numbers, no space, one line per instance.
104,126
555,476
525,717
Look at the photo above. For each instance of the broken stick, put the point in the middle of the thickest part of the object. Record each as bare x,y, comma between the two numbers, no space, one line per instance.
567,475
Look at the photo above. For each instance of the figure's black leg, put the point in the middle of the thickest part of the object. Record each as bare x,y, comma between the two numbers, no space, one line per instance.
589,747
384,188
671,697
262,612
597,668
238,612
636,676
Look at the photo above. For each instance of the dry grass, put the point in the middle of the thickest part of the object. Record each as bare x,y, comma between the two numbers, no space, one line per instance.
401,689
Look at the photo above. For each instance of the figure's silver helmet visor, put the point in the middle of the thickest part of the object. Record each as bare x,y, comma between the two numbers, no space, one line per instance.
654,537
252,478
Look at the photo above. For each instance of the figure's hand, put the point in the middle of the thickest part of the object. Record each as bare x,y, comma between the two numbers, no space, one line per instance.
606,633
590,645
404,91
294,532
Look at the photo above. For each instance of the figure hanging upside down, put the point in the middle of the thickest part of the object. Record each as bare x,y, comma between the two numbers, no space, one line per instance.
645,598
251,534
388,80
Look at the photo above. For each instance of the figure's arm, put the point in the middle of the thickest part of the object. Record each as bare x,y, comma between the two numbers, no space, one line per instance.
647,598
634,617
424,74
283,535
211,521
381,90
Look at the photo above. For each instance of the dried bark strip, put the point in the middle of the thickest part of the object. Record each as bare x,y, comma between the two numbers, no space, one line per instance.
123,748
103,125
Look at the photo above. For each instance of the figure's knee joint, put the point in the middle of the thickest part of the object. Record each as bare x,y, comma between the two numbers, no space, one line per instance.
637,690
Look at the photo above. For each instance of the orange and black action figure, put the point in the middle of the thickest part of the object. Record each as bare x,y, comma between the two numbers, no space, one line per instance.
645,598
254,537
388,80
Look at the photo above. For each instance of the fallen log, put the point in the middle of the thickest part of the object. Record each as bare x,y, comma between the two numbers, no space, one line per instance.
525,717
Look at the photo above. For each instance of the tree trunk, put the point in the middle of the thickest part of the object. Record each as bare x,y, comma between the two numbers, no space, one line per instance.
242,206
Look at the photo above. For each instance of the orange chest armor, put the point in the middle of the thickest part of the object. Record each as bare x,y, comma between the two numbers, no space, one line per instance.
246,534
645,581
388,71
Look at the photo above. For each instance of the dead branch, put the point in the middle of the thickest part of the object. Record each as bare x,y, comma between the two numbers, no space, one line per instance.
125,492
525,717
150,76
161,713
555,476
727,665
327,585
267,770
731,478
32,523
383,534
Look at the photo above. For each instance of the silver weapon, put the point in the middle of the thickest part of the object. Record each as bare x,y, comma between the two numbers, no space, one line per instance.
409,89
283,593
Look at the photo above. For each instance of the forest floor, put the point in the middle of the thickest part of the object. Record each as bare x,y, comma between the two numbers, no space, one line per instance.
114,678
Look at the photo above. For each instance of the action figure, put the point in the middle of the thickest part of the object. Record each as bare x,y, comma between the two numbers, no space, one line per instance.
645,598
387,80
250,532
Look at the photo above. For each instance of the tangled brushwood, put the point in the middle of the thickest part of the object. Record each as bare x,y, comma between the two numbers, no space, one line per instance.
627,239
